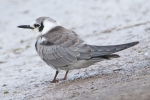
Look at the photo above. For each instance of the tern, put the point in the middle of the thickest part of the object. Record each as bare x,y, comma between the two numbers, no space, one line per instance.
63,49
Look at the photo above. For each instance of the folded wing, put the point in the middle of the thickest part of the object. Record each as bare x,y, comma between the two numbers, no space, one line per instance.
62,47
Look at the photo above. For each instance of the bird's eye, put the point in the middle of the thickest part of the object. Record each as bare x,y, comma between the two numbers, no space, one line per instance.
36,25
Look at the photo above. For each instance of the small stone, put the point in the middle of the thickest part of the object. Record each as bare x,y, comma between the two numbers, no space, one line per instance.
15,92
4,85
6,92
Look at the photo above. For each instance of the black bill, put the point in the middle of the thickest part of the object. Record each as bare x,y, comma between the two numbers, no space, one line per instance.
26,26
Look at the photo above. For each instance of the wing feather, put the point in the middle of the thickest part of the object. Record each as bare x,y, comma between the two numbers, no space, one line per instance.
66,47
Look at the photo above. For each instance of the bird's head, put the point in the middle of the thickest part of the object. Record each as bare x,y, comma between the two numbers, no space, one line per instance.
41,25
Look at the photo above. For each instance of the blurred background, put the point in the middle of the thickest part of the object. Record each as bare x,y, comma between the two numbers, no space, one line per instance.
23,74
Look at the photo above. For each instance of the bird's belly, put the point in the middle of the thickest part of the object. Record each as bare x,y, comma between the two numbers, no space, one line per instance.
81,64
76,65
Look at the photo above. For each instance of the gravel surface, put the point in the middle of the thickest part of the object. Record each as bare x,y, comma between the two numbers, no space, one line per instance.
24,76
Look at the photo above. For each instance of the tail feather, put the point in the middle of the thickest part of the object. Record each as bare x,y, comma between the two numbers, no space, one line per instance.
108,50
108,57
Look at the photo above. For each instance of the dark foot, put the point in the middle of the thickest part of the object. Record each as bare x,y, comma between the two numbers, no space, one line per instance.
63,79
54,81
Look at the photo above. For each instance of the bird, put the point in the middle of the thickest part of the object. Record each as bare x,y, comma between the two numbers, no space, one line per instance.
63,49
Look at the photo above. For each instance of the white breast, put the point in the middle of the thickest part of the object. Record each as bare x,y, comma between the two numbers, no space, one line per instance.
40,40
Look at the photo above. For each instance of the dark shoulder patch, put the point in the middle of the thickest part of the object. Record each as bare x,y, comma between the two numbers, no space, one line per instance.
46,43
36,45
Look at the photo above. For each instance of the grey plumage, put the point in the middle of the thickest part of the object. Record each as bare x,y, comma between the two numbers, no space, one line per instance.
63,49
106,50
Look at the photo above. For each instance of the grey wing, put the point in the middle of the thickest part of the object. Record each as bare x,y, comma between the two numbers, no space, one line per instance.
63,49
58,56
107,50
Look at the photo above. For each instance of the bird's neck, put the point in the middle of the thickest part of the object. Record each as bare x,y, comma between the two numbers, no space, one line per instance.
48,26
45,30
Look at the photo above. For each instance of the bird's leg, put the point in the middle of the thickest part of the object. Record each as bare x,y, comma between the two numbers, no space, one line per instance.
65,77
54,80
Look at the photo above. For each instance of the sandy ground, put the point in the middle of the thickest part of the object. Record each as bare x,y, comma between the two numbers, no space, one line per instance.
24,76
